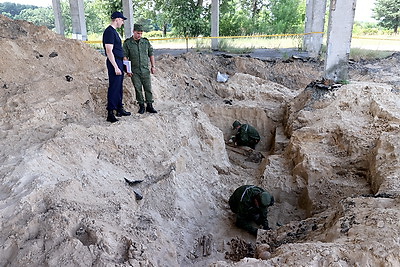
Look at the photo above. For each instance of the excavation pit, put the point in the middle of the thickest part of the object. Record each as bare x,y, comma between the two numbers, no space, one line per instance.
64,166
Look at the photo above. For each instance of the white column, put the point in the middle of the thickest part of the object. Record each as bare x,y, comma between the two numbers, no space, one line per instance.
340,26
315,20
214,24
127,9
58,20
78,20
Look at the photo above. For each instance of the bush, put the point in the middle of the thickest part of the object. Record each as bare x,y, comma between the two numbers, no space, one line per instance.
368,28
230,47
153,34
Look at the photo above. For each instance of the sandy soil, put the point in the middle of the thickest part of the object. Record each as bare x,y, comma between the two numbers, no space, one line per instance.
329,156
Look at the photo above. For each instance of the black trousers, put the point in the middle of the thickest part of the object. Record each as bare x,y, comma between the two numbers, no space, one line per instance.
114,94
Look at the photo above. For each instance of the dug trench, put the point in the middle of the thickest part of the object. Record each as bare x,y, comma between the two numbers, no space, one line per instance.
308,158
328,155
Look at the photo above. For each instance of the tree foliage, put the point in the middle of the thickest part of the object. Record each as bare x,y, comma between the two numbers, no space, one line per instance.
387,13
181,17
286,16
38,16
188,17
234,20
12,9
243,17
98,16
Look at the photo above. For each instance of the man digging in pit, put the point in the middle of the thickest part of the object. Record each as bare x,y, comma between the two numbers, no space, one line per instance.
250,204
246,135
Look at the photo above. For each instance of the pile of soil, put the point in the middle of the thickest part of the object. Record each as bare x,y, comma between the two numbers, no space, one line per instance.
329,157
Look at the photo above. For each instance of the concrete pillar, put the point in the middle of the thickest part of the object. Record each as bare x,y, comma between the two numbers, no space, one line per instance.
214,24
315,21
78,20
58,20
340,28
127,9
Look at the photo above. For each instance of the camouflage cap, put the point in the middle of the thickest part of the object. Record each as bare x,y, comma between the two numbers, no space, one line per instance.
138,27
236,124
266,199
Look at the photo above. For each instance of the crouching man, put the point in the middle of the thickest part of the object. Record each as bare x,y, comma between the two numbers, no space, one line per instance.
246,135
250,204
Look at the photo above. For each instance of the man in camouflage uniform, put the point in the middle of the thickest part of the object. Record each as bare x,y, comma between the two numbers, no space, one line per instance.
250,203
246,135
139,50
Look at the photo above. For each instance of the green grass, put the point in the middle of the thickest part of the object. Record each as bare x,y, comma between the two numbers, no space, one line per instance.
367,47
230,47
359,53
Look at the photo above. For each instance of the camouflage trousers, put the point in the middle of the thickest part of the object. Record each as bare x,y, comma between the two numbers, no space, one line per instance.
142,83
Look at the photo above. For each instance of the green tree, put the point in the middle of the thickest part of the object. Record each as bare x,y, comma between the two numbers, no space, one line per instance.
387,13
287,16
243,17
253,7
39,16
103,10
95,21
234,19
11,9
154,14
189,18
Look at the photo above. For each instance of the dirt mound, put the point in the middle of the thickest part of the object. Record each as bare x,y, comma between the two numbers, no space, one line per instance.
64,198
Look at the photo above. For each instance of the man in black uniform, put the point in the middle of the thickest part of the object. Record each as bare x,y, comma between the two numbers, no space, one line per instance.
113,48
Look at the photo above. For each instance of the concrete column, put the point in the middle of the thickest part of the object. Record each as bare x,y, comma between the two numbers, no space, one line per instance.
214,24
58,20
340,28
315,20
127,9
78,20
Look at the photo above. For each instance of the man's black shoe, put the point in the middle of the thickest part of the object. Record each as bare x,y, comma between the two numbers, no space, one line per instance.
141,109
111,117
122,112
150,108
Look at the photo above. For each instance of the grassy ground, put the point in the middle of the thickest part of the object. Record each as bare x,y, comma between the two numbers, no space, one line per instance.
377,42
362,47
232,43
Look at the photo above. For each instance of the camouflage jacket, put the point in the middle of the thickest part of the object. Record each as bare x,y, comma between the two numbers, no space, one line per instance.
242,203
247,132
138,52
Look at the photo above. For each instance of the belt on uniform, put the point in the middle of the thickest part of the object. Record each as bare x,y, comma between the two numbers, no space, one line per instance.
245,191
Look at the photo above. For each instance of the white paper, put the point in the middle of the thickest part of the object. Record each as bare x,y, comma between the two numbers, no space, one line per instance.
127,63
222,77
